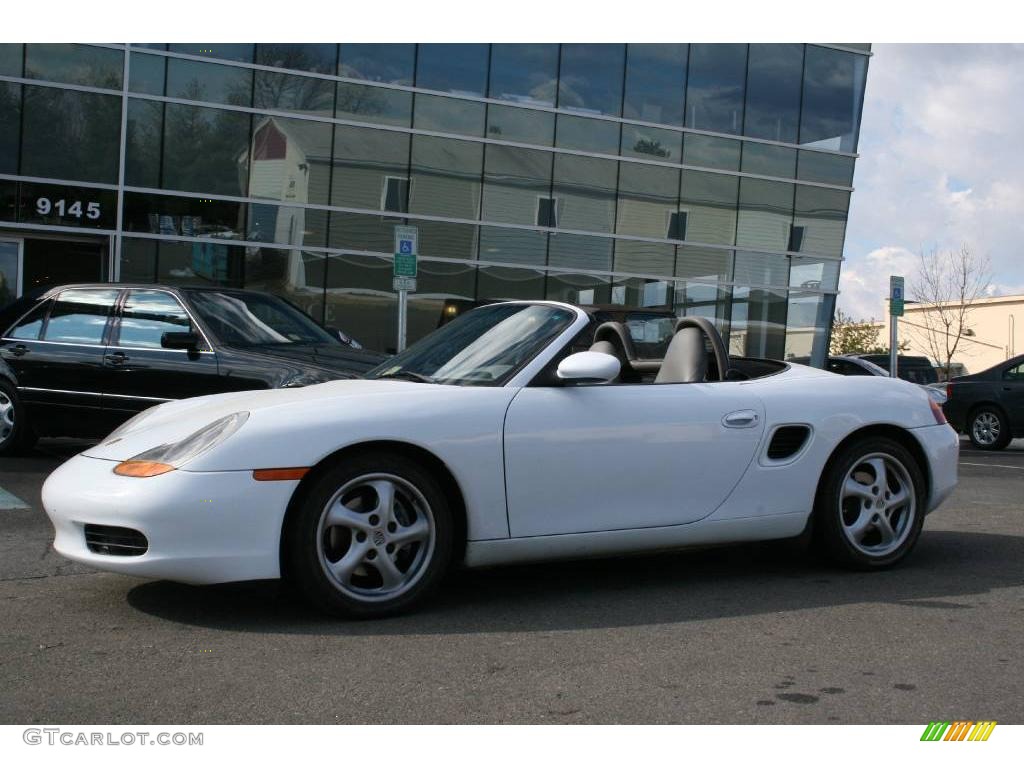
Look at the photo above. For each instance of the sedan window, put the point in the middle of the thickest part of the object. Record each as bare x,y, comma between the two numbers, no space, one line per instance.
148,315
79,315
31,325
250,319
1014,374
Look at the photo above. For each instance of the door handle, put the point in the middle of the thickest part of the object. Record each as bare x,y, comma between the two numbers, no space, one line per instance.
740,419
116,358
19,349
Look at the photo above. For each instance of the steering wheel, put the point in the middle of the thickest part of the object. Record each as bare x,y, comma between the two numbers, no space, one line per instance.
717,345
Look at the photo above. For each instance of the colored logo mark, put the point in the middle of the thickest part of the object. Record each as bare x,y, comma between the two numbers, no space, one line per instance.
959,730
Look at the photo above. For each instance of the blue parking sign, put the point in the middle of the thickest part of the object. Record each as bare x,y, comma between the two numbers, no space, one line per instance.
405,246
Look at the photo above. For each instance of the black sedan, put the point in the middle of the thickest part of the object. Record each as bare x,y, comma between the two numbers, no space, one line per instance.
989,406
79,360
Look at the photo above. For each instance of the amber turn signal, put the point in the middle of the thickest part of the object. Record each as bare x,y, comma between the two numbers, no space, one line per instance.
132,468
286,473
937,412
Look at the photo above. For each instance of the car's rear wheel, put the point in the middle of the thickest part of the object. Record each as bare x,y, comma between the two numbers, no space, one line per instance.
870,504
988,429
372,537
15,432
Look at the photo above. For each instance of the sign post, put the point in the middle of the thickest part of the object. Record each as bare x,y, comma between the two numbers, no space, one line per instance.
406,249
895,312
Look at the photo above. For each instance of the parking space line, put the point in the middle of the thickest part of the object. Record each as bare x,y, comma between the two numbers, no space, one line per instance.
998,466
10,501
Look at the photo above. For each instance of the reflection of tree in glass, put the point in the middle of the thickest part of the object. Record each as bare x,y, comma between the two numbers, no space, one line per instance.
650,147
275,90
361,100
71,134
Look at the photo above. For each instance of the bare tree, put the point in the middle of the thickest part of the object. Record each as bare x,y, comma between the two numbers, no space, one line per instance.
948,284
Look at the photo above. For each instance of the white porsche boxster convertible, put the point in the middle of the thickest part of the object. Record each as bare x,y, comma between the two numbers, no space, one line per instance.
520,431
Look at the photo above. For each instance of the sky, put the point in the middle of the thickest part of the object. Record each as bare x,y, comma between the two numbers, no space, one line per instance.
941,163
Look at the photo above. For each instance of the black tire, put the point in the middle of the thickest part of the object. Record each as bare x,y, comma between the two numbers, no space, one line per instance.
983,422
313,549
16,433
838,513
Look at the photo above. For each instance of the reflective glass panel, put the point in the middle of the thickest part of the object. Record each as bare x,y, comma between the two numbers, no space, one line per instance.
202,81
807,319
230,51
651,143
584,190
766,214
455,67
378,62
819,220
514,246
142,151
588,135
711,152
70,135
528,126
436,113
825,167
509,283
709,201
447,240
648,196
773,91
293,274
10,126
769,160
360,299
590,78
138,261
525,74
696,262
11,59
819,274
515,180
580,252
289,160
309,57
369,104
577,288
833,95
147,74
293,93
189,216
369,166
446,177
655,82
758,323
714,94
78,64
205,150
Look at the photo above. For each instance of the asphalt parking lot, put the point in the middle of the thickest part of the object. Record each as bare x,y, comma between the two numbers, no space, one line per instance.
752,634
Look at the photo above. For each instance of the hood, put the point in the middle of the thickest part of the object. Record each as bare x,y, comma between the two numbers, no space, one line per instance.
332,358
170,422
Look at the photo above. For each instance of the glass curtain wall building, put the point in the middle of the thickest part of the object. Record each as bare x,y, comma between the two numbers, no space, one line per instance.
713,179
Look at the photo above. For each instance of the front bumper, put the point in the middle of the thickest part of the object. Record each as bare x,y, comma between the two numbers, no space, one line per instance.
941,446
202,527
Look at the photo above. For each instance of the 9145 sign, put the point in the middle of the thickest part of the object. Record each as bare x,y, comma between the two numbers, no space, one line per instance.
67,206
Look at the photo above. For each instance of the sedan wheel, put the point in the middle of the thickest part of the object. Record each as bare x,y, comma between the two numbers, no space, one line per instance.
15,432
870,504
988,431
6,417
369,537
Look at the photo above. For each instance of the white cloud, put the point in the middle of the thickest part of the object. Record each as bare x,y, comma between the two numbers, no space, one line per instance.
941,164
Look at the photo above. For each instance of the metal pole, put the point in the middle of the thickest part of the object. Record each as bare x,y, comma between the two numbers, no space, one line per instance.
893,345
403,298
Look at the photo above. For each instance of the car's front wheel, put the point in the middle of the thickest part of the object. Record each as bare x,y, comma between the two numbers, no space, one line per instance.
988,430
870,505
372,537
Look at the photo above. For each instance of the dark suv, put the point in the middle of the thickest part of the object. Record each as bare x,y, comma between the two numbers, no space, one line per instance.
79,360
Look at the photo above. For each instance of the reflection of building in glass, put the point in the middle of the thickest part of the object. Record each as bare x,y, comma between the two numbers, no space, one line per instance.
710,179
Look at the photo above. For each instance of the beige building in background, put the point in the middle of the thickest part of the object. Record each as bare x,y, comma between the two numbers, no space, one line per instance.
995,332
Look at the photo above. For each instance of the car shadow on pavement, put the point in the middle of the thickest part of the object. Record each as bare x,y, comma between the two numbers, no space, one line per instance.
947,570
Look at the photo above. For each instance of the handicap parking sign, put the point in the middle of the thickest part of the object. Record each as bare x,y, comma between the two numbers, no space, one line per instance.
405,247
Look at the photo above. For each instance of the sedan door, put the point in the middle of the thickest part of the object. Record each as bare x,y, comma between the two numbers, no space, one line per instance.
56,353
612,457
1013,395
139,372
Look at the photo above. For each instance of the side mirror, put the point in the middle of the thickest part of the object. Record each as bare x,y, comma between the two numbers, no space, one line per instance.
179,340
589,368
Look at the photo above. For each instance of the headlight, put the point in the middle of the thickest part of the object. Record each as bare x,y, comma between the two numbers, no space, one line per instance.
170,456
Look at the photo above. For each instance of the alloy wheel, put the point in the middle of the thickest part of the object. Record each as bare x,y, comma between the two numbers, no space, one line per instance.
986,428
6,417
375,537
877,504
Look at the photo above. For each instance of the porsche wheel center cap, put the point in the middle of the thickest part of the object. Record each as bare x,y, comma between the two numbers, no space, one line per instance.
378,537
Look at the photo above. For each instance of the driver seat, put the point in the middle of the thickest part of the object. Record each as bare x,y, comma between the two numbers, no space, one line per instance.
686,359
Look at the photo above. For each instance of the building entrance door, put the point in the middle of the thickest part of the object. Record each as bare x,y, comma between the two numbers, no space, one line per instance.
59,261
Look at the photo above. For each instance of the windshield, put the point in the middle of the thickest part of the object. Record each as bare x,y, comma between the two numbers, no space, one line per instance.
251,319
483,347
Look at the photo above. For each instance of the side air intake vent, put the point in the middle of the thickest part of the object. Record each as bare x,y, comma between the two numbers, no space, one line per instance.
111,540
787,441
